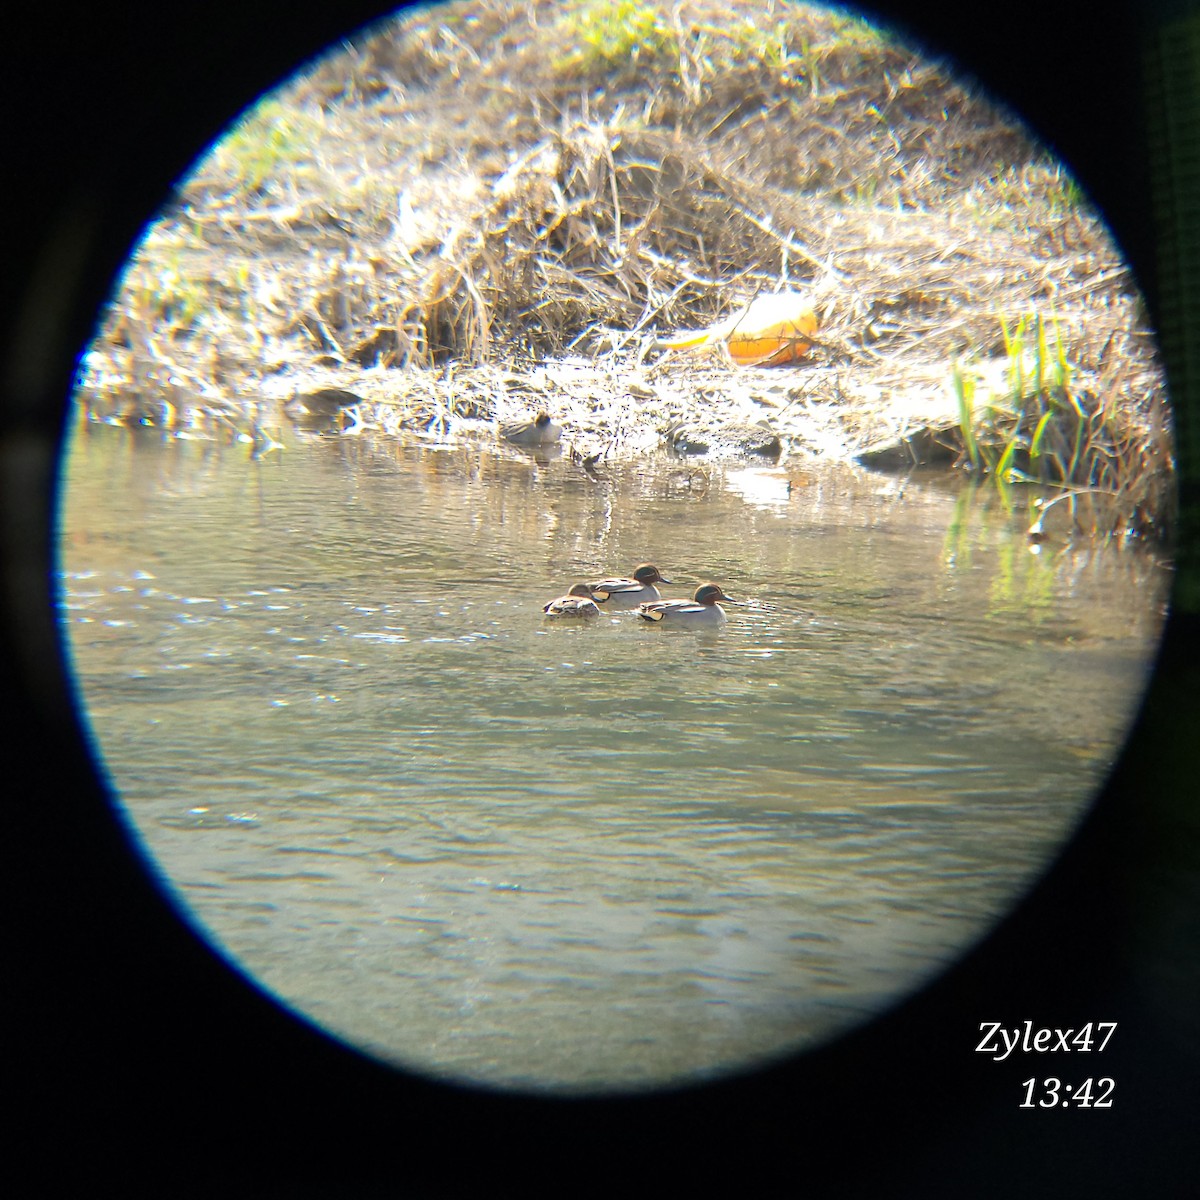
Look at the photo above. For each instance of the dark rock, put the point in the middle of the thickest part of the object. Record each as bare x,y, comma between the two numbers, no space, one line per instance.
921,447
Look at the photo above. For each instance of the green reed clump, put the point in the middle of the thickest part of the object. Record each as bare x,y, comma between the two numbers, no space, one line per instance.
1043,427
607,36
269,138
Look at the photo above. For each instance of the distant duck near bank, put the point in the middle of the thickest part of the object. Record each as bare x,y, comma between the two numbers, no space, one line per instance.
541,431
323,407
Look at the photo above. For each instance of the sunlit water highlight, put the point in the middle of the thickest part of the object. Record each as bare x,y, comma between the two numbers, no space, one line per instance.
598,856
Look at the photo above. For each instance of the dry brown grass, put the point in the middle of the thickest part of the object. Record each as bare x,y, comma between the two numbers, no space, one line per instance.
478,188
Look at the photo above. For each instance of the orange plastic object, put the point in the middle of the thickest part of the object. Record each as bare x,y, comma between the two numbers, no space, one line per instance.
768,331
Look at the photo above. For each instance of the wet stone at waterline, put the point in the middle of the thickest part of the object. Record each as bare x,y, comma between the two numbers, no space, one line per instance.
365,404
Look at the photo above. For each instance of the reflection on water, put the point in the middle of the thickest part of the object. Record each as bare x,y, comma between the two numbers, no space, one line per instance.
485,846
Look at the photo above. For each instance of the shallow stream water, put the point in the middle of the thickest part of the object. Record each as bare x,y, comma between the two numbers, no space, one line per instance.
596,857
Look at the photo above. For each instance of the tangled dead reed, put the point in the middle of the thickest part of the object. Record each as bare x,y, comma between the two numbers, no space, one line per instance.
477,189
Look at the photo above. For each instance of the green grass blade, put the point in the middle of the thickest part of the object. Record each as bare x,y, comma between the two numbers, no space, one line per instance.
1035,444
964,389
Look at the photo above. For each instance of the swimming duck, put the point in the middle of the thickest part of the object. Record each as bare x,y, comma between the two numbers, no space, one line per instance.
701,609
541,431
577,602
629,593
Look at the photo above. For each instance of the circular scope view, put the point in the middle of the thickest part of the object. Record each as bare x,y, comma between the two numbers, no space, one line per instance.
604,545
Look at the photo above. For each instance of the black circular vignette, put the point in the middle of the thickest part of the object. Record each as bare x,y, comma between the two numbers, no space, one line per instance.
141,1060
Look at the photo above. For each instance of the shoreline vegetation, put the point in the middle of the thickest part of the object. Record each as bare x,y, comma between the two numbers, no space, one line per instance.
476,212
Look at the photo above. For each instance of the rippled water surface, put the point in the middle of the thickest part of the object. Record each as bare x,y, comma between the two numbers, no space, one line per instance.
484,847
